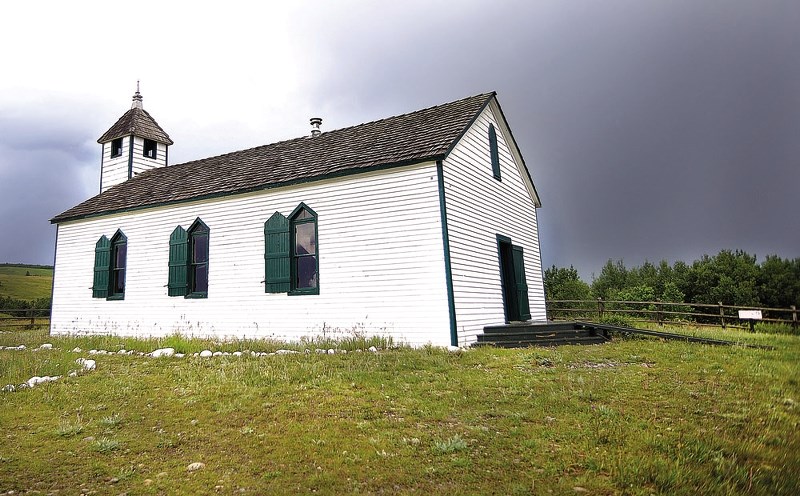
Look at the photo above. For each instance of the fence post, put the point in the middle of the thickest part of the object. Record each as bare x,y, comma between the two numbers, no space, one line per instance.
600,308
721,314
659,317
794,317
32,315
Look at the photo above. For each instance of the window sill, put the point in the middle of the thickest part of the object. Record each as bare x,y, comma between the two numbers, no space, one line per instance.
115,297
196,295
301,292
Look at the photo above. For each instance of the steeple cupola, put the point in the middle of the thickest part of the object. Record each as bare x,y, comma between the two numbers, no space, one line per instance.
134,144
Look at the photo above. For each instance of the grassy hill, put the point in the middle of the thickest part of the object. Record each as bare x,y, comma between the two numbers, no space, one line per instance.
15,283
634,416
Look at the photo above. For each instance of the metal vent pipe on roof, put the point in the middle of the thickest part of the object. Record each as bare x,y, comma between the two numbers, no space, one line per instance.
316,122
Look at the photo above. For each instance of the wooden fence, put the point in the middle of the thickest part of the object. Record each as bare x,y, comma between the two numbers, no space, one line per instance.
24,317
661,311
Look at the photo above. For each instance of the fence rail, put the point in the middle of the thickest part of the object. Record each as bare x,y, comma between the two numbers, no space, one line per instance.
24,317
702,314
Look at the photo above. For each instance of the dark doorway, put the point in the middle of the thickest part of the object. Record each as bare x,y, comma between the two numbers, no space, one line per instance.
512,277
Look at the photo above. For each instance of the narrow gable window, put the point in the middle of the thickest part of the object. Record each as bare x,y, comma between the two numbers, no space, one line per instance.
198,266
493,152
119,261
116,148
150,149
304,257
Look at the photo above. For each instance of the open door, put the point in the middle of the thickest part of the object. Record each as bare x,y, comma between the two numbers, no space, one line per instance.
512,277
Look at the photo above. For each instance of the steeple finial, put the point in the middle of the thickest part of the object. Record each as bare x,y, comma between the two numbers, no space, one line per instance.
137,97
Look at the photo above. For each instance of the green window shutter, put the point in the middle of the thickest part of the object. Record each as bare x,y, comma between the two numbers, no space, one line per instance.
102,264
178,259
493,151
520,283
276,254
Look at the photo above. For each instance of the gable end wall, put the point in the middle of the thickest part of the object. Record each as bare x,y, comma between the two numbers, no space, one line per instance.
479,207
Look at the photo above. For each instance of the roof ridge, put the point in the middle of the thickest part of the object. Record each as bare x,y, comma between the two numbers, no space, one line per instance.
290,140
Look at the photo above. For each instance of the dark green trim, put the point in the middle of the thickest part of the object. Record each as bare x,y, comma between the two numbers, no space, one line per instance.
223,194
292,270
451,301
503,282
53,280
102,160
130,157
492,95
494,152
118,239
190,265
166,155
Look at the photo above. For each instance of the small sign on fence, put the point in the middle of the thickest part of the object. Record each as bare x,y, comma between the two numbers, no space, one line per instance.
750,316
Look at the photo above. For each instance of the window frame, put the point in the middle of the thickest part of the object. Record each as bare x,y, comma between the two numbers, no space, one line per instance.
294,290
118,240
150,145
196,230
116,148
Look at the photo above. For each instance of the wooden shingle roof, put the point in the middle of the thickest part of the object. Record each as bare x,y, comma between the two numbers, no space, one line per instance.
139,122
424,135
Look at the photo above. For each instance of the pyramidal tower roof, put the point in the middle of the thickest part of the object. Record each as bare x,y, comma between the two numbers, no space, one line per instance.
136,121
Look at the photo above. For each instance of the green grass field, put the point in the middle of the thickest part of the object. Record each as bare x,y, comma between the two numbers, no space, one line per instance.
634,416
15,284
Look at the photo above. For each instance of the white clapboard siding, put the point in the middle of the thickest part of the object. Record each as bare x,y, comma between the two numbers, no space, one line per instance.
140,163
115,170
381,265
479,207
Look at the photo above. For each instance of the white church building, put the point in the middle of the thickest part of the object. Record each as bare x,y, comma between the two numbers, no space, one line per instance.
421,227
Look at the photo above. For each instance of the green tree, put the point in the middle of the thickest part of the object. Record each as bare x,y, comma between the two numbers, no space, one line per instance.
613,278
778,282
565,284
729,277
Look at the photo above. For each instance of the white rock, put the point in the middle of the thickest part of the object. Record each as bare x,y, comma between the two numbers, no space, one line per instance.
34,381
373,349
76,350
21,347
179,355
122,352
319,351
46,346
93,352
206,353
226,353
89,365
331,351
163,352
217,353
9,388
453,349
237,353
196,466
73,373
286,352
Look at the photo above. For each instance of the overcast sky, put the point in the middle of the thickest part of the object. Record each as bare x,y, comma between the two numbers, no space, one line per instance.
652,129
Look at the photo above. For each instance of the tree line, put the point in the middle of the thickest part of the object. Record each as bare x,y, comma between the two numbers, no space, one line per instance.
730,277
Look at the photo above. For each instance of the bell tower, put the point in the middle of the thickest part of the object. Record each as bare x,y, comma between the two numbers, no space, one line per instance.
134,144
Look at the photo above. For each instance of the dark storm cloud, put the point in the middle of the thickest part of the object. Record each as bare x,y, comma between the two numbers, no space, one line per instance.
652,129
43,162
